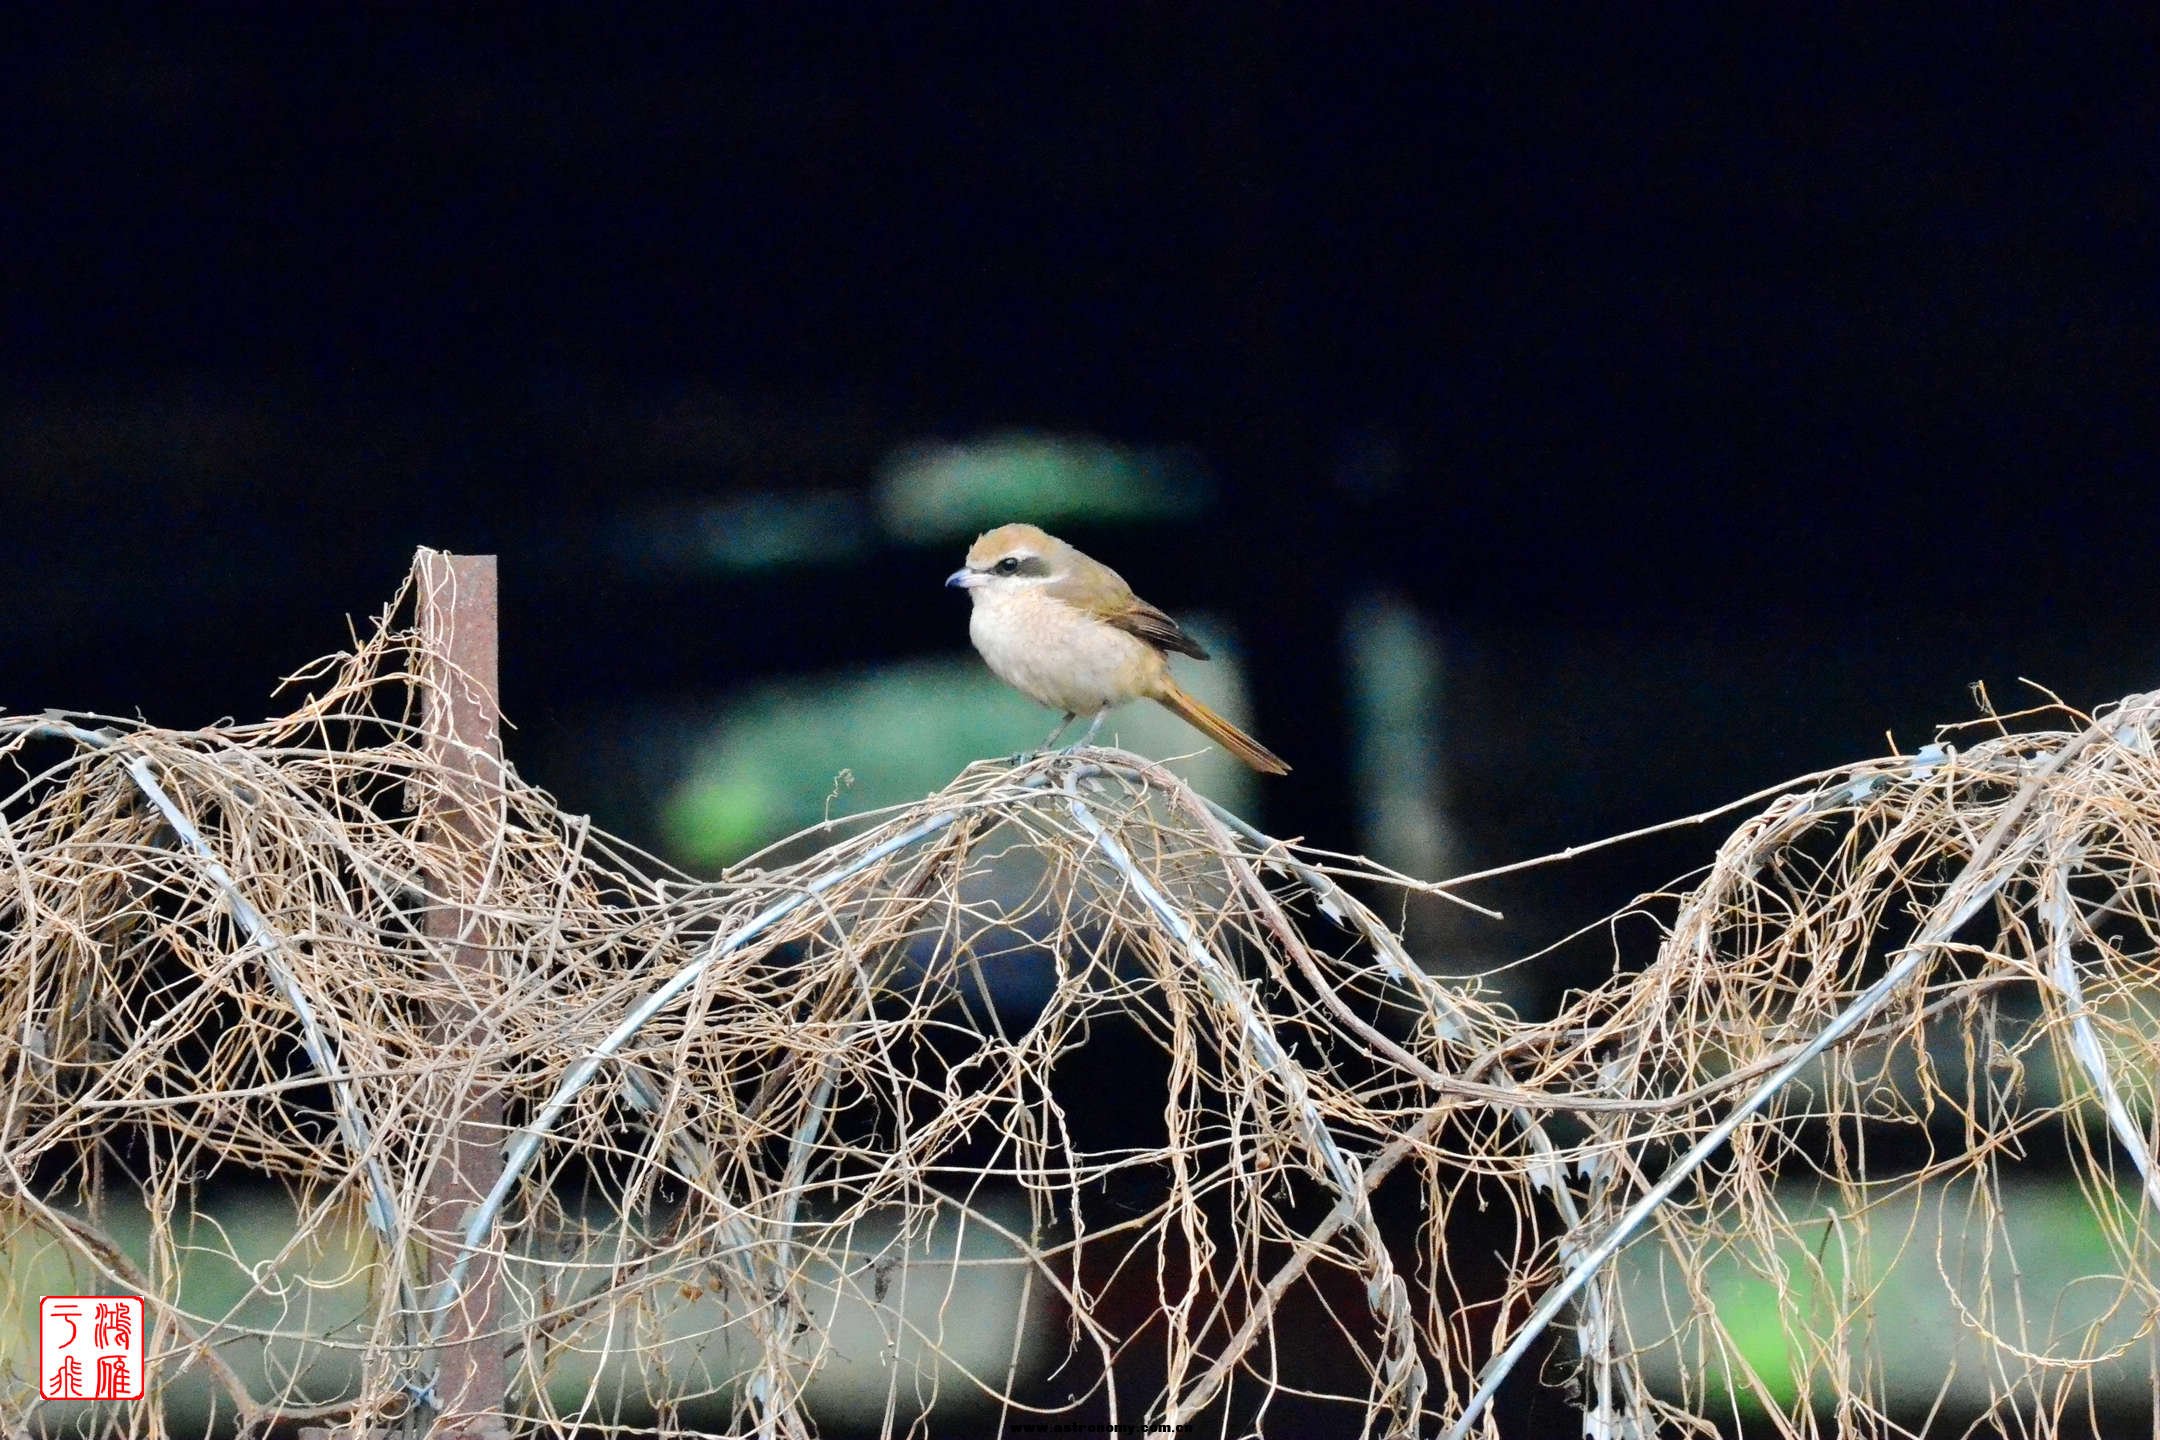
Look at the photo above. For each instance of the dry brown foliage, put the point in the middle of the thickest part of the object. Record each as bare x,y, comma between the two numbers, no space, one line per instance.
770,1126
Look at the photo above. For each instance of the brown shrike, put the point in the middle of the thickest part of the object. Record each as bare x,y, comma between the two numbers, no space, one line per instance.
1069,633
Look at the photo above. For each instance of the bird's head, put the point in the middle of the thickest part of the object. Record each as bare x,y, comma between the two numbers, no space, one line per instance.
1010,558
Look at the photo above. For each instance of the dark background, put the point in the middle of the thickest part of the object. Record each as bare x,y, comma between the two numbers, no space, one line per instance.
1720,395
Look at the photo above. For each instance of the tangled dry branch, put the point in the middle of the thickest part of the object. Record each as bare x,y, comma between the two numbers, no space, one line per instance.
814,1117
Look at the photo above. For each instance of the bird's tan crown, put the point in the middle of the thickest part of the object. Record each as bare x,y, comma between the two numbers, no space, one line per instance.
994,545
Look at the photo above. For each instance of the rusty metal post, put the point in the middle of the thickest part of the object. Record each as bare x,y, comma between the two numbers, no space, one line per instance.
463,815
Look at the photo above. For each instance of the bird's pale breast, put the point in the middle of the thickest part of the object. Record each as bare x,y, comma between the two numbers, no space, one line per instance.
1059,657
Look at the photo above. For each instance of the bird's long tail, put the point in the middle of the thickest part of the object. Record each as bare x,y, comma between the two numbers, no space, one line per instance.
1221,731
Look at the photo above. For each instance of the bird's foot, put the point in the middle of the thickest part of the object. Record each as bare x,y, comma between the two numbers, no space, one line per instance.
1060,752
1022,757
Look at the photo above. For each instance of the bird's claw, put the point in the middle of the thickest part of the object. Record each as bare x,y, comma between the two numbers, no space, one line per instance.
1022,757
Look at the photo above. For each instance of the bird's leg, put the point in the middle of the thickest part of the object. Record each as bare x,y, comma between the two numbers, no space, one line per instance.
1093,726
1027,755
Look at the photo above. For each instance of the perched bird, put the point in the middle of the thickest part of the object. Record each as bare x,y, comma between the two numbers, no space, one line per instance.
1068,632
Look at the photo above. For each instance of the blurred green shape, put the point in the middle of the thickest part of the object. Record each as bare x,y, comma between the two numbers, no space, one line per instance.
1397,701
744,534
286,1316
2031,1258
791,754
1763,1331
942,1304
935,491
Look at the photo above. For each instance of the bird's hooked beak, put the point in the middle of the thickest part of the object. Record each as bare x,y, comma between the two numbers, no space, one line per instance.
963,579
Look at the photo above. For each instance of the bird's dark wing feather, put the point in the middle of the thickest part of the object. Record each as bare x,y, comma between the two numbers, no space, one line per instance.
1158,629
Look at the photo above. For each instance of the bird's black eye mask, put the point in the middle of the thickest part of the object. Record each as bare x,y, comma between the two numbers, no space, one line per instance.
1020,565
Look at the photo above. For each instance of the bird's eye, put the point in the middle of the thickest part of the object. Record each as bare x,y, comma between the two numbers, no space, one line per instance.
1010,565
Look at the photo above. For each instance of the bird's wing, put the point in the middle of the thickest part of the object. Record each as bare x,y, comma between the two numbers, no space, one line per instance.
1137,617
